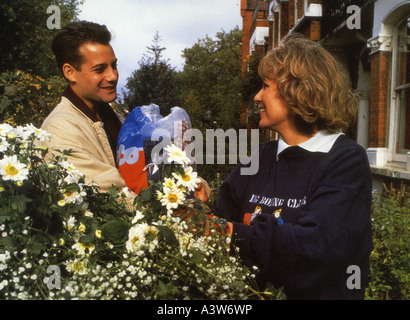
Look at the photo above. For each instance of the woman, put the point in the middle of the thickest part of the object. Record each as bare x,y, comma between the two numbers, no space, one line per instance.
304,218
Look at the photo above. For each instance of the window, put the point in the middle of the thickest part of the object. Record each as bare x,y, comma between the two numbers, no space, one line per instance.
401,86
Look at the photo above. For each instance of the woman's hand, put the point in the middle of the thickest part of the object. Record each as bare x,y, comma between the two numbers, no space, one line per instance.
201,192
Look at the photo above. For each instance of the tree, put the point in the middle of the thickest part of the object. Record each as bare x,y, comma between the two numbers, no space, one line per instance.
25,37
251,84
210,91
30,82
211,81
153,82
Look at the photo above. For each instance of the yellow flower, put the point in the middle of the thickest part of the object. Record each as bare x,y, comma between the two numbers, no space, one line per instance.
87,213
61,203
98,233
77,266
61,241
11,136
81,227
159,194
169,183
42,148
84,248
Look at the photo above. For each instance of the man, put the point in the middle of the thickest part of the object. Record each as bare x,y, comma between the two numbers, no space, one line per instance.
84,121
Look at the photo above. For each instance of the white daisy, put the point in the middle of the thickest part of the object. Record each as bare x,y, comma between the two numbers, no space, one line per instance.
176,155
138,216
141,236
73,175
84,248
77,266
188,180
73,196
169,183
40,134
172,198
3,145
12,169
136,238
70,223
22,134
5,128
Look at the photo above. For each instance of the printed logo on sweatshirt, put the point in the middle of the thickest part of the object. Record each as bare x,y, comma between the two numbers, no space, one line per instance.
277,202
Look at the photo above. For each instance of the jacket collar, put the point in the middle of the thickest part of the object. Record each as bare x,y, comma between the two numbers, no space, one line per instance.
80,104
103,111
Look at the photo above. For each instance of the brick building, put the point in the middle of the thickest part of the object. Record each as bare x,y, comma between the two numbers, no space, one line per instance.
372,39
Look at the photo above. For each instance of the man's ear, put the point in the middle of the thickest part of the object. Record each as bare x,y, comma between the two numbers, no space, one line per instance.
70,72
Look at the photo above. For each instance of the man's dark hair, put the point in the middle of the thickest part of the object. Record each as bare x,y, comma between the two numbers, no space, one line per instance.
67,41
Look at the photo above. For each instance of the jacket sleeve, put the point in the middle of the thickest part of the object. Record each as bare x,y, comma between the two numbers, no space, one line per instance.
332,231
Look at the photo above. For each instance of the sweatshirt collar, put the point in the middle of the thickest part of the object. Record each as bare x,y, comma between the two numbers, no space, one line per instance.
322,141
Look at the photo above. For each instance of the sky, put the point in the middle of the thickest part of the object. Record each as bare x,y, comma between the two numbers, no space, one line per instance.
179,23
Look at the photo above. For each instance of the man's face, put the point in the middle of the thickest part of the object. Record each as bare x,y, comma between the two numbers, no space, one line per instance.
96,80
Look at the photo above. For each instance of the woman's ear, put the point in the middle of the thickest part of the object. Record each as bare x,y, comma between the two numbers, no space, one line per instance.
70,72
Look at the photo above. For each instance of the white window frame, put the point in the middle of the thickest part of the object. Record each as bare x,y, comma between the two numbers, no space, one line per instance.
395,102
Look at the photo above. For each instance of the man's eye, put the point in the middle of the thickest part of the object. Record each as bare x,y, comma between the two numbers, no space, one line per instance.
100,70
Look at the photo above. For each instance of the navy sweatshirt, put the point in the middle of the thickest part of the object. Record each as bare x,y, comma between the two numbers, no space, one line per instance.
324,201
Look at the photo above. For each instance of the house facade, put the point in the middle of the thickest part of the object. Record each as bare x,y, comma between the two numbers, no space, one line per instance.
372,39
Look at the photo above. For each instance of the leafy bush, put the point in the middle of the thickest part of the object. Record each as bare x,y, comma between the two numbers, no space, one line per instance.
389,261
163,245
28,98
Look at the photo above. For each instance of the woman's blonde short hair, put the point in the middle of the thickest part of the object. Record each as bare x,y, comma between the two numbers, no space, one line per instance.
314,84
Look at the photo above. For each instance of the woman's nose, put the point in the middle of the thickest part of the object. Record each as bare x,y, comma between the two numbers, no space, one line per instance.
258,97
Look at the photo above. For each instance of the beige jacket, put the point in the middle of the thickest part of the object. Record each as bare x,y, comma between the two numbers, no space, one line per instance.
92,155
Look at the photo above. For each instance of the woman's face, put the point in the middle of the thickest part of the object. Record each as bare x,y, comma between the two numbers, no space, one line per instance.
274,112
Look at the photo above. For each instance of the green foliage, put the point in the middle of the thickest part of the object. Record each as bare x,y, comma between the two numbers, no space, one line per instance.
251,84
106,245
211,81
30,82
25,38
153,82
28,98
390,259
210,87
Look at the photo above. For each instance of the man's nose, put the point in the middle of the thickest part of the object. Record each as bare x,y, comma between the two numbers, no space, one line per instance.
112,75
